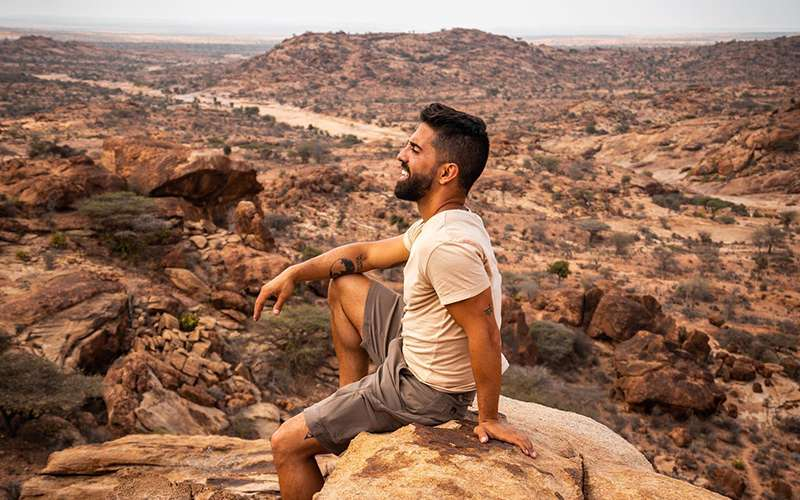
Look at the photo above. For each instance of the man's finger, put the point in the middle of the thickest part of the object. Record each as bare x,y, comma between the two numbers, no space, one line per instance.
276,309
263,295
483,436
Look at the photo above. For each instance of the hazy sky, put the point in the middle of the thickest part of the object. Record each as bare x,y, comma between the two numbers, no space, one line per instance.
507,16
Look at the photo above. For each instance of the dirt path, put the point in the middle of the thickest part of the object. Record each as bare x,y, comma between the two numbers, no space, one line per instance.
283,113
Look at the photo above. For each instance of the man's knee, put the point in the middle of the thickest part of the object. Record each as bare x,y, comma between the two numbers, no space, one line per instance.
339,287
284,444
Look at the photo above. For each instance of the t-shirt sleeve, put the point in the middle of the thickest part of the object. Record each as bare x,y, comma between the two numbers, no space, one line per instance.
456,271
411,234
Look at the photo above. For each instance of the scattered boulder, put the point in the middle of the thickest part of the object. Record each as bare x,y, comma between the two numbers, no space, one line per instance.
651,369
188,282
681,437
563,305
619,316
226,299
76,319
519,347
55,184
248,221
726,481
257,421
248,267
743,369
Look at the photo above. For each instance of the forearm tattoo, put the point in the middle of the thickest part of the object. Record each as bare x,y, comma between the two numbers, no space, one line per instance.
346,266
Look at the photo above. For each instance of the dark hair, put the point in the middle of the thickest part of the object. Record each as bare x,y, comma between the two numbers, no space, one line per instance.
460,138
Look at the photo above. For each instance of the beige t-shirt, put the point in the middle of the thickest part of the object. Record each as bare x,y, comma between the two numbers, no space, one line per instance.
451,259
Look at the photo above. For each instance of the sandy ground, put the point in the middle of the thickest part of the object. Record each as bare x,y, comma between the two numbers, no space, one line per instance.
290,115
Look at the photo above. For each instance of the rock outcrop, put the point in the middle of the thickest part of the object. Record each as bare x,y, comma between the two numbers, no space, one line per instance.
578,458
55,184
761,154
76,319
159,466
158,168
652,369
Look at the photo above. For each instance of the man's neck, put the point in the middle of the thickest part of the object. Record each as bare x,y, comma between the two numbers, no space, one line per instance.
430,207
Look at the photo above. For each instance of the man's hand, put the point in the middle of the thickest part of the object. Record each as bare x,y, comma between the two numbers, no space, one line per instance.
282,286
493,429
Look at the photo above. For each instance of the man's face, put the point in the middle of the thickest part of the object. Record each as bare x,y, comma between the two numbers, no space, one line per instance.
418,165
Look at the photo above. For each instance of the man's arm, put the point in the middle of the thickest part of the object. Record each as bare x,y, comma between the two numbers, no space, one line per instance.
346,259
476,316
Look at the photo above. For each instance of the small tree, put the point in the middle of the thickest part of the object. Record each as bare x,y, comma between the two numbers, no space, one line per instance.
788,218
768,236
560,268
622,241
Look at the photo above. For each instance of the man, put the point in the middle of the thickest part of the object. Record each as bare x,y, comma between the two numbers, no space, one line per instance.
449,314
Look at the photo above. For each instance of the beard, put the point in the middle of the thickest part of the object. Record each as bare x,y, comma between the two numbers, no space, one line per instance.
413,187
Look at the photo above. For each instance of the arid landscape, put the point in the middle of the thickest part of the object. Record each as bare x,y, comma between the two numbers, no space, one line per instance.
644,205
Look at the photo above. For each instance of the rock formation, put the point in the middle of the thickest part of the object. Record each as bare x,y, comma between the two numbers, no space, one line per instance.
55,184
76,319
652,369
157,168
577,458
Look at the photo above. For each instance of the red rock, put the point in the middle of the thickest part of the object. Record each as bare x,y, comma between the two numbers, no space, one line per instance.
55,184
652,370
619,316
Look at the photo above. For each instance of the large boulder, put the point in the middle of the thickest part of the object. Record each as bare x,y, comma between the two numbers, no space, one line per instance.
249,223
55,184
158,168
563,305
247,267
76,319
651,369
620,315
159,466
577,458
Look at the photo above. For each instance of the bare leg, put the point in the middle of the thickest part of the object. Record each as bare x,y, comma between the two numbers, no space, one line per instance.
347,296
293,454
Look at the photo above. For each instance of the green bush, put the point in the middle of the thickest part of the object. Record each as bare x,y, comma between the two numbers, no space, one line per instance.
559,346
695,289
622,241
309,252
188,321
31,386
560,268
539,385
58,240
39,148
301,334
549,163
758,347
126,222
23,256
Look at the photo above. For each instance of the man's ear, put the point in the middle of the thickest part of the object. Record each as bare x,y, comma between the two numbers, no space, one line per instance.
447,173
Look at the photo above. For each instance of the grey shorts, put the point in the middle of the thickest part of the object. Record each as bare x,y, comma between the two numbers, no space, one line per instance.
389,398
